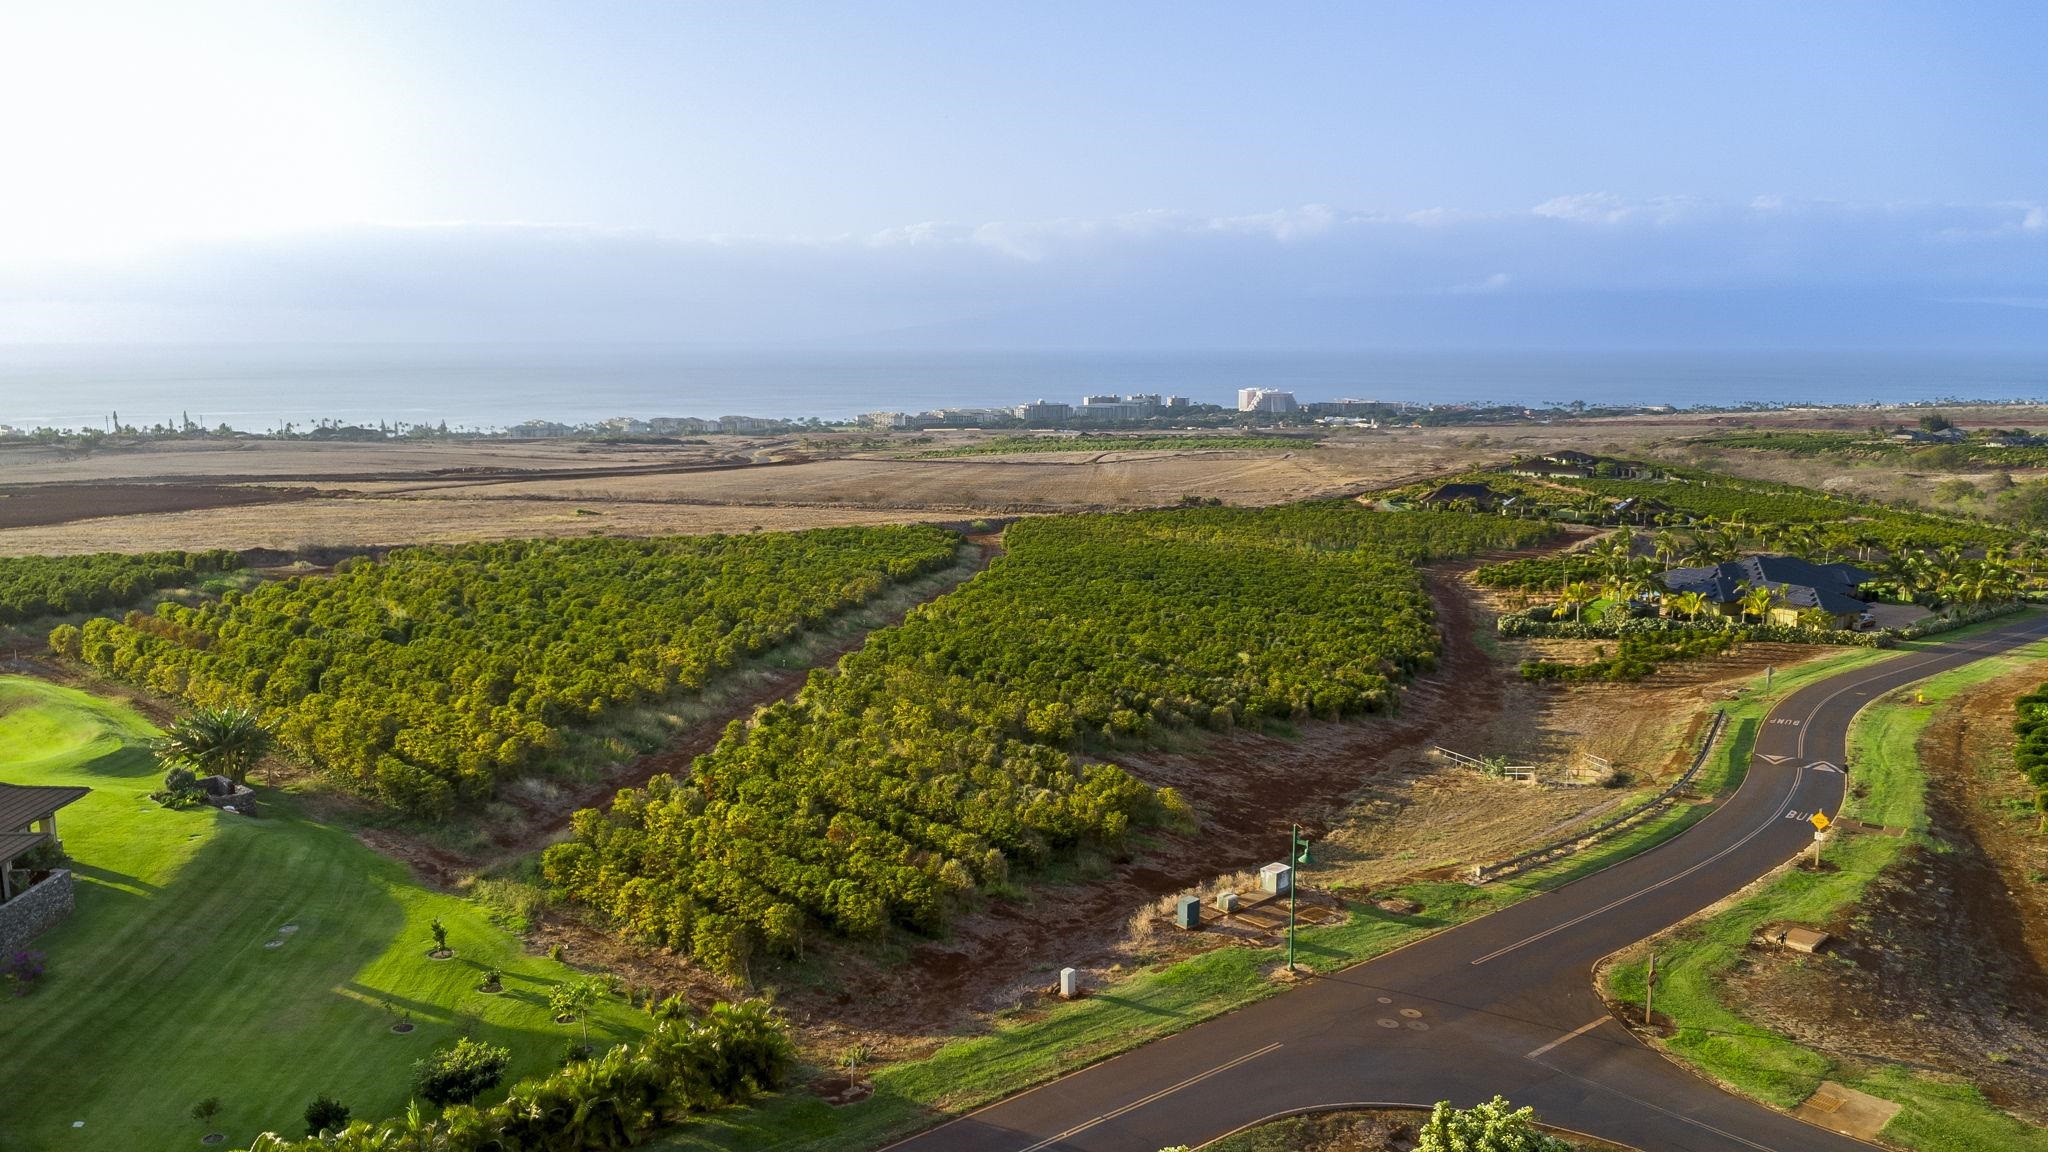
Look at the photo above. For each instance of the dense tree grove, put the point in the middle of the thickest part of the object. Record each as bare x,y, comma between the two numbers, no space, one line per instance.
432,675
2031,726
35,586
948,748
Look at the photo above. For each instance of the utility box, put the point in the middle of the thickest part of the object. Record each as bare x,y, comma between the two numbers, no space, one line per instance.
1187,913
1226,902
1277,879
1070,983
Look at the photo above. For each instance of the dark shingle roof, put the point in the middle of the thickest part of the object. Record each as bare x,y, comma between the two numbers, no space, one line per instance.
1449,492
1803,583
24,804
13,844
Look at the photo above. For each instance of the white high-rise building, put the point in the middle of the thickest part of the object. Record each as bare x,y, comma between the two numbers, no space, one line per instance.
1264,400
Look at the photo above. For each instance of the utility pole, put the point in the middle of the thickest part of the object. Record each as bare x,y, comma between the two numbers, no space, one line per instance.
1297,855
1649,989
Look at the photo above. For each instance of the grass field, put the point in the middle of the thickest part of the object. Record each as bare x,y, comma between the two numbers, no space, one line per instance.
160,991
1939,1115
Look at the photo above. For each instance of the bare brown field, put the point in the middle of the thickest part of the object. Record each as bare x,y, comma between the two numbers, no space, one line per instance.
344,522
383,494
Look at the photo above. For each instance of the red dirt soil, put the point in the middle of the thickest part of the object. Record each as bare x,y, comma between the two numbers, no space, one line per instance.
26,506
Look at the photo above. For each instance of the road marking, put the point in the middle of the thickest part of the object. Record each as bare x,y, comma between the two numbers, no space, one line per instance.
1574,1034
1824,766
1798,776
1678,1116
1190,1082
1770,759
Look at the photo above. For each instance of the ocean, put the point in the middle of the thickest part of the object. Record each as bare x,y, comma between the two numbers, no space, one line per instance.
259,386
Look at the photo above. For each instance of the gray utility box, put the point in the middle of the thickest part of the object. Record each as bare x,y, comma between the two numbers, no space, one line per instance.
1277,879
1187,913
1226,902
1070,983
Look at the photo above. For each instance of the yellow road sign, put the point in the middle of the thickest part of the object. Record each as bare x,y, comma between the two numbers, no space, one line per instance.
1820,821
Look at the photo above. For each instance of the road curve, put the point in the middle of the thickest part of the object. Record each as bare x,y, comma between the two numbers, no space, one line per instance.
1503,1004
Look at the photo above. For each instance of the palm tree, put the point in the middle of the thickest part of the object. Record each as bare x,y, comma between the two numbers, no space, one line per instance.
1578,594
1689,605
217,742
1816,619
1756,602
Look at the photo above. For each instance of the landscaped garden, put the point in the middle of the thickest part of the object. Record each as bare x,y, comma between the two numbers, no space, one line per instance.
263,962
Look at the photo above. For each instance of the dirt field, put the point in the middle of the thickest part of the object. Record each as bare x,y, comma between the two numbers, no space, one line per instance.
1942,965
378,494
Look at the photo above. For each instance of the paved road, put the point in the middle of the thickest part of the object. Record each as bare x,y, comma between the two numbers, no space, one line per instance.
1502,1004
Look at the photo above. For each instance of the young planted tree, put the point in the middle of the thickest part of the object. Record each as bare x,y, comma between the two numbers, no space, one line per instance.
325,1114
217,742
440,933
460,1073
206,1112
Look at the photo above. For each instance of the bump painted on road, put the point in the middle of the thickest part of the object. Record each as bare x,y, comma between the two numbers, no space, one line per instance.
1386,1022
1412,1013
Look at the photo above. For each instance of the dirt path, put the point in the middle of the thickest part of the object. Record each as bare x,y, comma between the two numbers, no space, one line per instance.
1941,966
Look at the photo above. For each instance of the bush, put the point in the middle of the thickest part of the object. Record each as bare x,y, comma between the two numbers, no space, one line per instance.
1490,1127
615,1100
24,967
181,788
461,1073
325,1114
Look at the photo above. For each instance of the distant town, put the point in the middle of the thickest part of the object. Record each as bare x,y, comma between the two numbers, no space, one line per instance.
1255,408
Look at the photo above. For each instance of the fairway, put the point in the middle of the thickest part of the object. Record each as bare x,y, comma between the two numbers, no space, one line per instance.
161,992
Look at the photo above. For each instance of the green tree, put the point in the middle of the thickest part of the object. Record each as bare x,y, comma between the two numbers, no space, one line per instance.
461,1072
1495,1126
217,742
325,1114
206,1112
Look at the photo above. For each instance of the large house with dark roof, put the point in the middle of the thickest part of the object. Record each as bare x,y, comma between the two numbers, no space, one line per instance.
1797,586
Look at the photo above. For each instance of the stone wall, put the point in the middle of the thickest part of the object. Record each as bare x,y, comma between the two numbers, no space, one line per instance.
28,914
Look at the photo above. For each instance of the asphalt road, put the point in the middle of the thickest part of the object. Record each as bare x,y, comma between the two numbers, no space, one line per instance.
1503,1004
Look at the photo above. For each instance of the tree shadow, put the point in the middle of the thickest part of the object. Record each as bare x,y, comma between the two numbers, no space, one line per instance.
118,881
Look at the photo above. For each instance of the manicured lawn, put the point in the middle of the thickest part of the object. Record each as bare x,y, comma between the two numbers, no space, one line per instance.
1939,1115
160,991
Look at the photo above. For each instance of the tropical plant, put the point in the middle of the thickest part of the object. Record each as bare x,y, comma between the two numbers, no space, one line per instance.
1495,1126
461,1072
1755,602
573,1000
225,741
440,934
1690,605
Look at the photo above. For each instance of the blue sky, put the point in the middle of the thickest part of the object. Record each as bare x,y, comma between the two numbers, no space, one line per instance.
1033,174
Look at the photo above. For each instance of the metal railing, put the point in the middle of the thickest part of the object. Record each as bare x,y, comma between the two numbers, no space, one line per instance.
1586,837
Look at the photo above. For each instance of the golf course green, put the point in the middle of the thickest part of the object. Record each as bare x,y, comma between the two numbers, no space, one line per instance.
165,987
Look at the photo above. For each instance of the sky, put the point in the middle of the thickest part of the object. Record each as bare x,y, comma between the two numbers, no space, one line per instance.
1031,175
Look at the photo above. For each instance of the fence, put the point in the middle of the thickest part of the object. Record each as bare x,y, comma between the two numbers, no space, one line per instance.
1558,849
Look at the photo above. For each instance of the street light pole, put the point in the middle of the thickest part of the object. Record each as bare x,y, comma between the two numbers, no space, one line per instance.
1297,855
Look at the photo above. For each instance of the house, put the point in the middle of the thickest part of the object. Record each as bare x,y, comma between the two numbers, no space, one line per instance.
1545,468
1797,585
1478,495
1570,458
32,896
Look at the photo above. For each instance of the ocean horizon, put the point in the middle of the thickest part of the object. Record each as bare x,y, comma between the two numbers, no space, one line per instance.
257,387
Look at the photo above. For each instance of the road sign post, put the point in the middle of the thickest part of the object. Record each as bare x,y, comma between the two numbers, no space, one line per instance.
1820,823
1649,989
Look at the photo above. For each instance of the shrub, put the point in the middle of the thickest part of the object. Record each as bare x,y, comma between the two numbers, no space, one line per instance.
460,1073
181,788
1490,1127
325,1114
24,967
